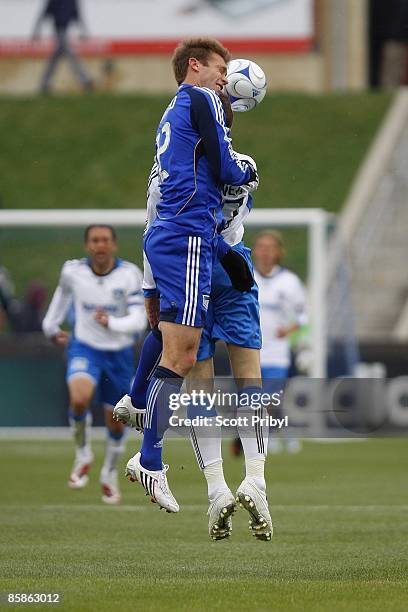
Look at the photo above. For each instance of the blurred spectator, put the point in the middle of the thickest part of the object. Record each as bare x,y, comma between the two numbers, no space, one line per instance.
389,43
282,303
62,13
23,316
31,309
8,303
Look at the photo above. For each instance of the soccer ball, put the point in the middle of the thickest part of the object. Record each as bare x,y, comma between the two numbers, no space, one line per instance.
246,84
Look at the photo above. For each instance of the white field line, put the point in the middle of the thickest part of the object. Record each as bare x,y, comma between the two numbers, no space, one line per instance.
195,507
99,433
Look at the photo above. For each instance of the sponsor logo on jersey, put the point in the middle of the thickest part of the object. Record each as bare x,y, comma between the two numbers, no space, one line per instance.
206,301
91,307
118,294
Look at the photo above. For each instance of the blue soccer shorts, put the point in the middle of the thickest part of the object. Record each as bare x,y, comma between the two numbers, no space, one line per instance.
111,371
233,316
181,267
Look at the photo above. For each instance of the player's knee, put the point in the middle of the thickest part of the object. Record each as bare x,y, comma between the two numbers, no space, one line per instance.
79,403
115,427
187,361
191,359
182,364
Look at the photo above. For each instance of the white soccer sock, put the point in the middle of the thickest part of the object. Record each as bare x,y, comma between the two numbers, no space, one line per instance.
255,469
113,451
254,439
206,441
214,475
254,436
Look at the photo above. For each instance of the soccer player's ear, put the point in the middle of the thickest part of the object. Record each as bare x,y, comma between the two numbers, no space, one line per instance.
194,64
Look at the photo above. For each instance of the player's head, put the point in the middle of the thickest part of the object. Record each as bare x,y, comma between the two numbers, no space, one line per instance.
100,243
226,104
268,250
202,62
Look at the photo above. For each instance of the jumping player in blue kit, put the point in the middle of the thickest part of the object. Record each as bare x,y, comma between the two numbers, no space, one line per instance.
194,158
233,316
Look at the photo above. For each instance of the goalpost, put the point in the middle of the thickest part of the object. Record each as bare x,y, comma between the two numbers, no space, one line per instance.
315,220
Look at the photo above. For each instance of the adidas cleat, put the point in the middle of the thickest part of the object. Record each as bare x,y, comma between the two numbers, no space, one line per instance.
220,512
110,489
79,475
154,482
126,413
254,501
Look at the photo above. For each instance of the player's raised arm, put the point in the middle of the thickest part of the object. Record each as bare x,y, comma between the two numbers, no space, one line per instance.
60,303
209,118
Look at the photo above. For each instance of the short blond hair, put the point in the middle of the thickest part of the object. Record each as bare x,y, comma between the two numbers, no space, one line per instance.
273,234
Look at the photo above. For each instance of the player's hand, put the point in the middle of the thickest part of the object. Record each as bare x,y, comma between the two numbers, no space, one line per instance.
101,317
152,305
282,332
238,270
61,339
253,182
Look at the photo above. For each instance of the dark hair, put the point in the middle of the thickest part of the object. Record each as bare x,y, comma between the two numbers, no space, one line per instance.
226,104
104,225
201,49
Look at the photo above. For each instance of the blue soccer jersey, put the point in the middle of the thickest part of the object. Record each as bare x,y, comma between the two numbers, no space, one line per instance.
195,157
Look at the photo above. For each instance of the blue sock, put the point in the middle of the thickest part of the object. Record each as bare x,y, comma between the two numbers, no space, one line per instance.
200,409
163,384
116,435
77,417
148,360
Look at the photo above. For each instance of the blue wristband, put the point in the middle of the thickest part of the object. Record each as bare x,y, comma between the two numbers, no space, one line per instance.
150,293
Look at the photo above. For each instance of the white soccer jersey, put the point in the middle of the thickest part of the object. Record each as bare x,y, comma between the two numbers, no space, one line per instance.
237,204
118,293
153,198
282,301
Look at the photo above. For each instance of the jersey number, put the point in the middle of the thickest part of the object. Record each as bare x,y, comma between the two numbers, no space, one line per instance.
161,148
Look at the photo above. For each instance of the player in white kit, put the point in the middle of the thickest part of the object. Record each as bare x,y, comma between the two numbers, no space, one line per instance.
106,294
282,301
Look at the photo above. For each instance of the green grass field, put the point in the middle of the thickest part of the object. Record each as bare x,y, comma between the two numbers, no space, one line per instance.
97,151
340,543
